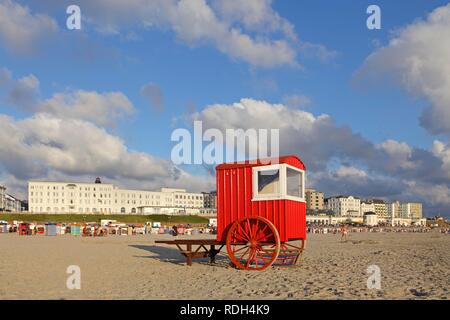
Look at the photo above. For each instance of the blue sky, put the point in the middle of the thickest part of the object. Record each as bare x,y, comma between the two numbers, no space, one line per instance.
193,75
201,75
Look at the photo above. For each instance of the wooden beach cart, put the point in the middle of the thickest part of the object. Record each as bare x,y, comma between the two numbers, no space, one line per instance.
260,209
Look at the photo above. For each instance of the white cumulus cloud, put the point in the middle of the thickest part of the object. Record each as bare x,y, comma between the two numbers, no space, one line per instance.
20,29
417,58
250,31
44,146
100,108
103,108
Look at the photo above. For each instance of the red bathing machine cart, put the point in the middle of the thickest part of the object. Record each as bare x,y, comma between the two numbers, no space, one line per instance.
261,207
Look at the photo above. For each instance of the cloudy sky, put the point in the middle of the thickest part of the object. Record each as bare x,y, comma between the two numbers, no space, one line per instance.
367,110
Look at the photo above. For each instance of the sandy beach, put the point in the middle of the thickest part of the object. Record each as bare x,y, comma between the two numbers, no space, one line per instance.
413,266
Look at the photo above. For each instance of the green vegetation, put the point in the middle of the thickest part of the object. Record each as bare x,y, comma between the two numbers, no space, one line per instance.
97,217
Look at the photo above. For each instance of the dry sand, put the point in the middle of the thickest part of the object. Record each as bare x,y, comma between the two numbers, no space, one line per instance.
413,266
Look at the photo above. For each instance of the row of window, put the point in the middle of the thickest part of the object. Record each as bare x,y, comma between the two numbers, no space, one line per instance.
71,187
105,201
122,195
80,210
62,210
179,196
71,194
128,195
87,195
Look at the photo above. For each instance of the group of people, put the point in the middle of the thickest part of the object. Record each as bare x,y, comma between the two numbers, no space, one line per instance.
346,229
187,229
343,230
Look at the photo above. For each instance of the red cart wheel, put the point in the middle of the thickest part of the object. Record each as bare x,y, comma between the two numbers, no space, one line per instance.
253,243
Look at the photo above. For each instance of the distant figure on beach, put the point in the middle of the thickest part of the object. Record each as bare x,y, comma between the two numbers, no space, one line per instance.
344,232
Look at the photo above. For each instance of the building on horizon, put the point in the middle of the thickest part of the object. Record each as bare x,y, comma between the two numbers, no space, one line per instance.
210,200
377,206
314,200
24,205
12,204
381,209
370,219
412,210
345,206
408,210
2,198
367,206
394,210
370,212
106,198
9,203
209,204
405,213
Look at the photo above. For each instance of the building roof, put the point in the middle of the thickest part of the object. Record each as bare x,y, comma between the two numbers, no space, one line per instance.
173,190
65,182
313,191
12,197
292,160
342,196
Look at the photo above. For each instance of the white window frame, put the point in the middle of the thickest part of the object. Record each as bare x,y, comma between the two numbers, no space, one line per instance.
282,195
289,197
262,197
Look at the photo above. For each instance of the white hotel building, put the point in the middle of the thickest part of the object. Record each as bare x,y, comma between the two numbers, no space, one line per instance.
345,206
104,198
2,198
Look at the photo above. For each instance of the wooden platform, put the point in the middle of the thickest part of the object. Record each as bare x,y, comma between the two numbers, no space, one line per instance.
204,248
195,249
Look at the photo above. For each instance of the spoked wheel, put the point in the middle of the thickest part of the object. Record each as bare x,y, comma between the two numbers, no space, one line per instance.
253,243
290,254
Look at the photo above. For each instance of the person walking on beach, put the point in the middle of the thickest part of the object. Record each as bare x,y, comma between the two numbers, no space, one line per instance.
344,232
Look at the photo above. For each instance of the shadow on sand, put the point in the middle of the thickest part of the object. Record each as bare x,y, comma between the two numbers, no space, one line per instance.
174,256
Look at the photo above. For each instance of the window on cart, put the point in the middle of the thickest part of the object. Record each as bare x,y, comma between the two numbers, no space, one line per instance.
278,182
294,183
269,182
